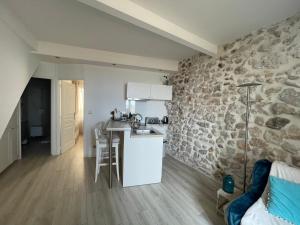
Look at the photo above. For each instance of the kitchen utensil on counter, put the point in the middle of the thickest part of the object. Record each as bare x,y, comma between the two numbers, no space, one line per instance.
135,120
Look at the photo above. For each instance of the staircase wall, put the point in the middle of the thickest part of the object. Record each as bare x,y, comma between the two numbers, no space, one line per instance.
17,65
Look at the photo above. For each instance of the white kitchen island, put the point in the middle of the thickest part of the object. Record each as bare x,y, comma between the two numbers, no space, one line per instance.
141,155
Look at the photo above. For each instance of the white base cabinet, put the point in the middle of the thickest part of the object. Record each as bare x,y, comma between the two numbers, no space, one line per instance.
142,159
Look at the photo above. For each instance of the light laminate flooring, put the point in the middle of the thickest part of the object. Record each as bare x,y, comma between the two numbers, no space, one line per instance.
46,190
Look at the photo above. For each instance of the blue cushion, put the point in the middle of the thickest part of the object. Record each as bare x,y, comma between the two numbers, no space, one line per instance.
284,200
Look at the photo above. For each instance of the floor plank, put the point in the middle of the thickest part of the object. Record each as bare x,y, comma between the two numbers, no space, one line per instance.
46,190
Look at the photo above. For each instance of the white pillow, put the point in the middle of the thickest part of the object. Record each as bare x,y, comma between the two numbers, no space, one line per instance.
257,214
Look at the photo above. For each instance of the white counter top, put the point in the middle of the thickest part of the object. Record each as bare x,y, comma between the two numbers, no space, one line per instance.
124,126
118,126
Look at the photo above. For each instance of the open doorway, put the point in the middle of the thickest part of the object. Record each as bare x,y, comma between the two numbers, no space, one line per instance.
36,117
71,113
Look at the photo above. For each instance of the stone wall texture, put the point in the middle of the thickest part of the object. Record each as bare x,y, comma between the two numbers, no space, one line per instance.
207,113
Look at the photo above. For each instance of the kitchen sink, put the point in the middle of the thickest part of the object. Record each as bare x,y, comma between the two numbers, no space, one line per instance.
144,131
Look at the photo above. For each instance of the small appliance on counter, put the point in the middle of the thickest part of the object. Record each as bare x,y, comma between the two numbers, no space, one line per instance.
116,115
152,120
119,116
165,120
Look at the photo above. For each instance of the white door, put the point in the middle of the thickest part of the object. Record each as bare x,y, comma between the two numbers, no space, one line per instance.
67,115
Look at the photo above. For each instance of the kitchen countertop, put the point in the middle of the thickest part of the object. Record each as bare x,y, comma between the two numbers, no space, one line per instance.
124,126
157,125
118,126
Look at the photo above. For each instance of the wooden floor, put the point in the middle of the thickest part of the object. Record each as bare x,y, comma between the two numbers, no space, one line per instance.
41,190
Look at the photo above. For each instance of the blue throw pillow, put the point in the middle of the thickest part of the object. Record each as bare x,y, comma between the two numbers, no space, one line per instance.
284,200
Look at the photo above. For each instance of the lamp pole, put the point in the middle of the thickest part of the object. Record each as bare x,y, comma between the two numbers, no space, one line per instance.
248,106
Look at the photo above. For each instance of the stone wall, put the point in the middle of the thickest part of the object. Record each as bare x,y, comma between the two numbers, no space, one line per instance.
207,114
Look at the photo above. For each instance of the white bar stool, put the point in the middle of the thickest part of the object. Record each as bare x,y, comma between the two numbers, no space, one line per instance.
102,143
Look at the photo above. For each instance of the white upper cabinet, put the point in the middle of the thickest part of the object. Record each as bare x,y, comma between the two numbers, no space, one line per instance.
161,92
140,91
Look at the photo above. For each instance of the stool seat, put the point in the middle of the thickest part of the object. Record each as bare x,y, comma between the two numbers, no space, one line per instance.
103,139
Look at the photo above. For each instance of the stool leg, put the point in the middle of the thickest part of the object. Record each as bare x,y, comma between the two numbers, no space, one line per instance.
117,161
98,160
97,163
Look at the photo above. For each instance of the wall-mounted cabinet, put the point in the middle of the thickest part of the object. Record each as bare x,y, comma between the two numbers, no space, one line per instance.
140,91
161,92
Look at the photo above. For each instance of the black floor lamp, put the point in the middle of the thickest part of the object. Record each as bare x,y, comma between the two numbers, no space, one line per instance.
248,107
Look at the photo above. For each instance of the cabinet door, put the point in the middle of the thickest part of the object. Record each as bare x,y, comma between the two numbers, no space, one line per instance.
9,143
13,146
161,92
13,136
138,91
4,151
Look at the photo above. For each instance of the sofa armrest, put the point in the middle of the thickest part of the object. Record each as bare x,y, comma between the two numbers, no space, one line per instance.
238,207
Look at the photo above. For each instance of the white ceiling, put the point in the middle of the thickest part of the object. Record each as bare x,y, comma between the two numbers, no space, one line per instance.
218,21
222,21
72,23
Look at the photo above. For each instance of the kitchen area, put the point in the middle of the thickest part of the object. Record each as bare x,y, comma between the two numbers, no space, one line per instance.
135,140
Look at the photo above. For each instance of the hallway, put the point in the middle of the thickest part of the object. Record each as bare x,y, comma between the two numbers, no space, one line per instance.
47,190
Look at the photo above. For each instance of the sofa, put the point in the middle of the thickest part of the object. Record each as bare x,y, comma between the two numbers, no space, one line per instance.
273,197
237,208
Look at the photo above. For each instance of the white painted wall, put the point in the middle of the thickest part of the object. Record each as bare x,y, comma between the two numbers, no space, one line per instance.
16,67
104,90
70,71
151,108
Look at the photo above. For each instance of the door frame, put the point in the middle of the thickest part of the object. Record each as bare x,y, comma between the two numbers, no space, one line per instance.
55,116
58,115
56,112
54,120
19,131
